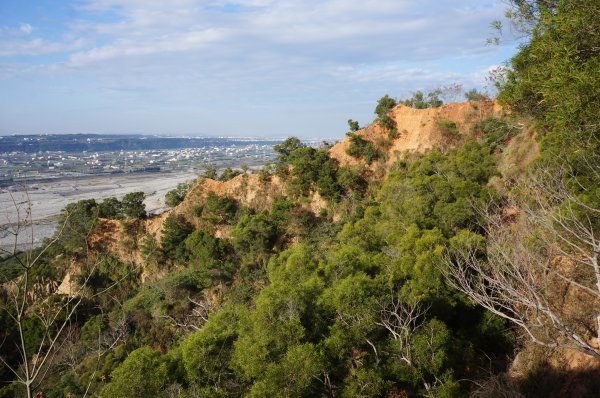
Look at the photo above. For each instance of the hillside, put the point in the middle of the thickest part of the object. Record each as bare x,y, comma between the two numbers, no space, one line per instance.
419,132
446,251
418,129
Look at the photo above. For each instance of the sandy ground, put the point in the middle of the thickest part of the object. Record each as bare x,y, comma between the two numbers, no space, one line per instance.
49,198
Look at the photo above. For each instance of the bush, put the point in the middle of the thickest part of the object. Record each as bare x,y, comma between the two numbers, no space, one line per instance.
110,208
219,209
384,105
353,126
175,230
418,100
144,373
210,171
448,127
387,122
497,132
228,174
360,148
474,95
176,196
133,205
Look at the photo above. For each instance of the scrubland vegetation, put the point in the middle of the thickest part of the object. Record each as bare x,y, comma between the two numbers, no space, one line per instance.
426,283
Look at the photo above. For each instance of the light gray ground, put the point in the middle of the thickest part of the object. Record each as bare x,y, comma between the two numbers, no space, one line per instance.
49,198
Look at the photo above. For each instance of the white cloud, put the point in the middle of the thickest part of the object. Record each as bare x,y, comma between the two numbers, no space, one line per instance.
37,47
26,28
187,41
295,57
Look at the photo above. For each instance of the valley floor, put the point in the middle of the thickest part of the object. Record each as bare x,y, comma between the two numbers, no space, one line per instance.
49,198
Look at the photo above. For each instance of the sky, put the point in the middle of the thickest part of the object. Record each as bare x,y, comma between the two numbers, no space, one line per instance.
260,68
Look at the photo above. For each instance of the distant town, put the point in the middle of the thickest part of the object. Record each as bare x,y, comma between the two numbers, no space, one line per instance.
40,157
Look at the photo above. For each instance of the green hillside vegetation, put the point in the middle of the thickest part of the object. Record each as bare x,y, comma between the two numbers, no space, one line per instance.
416,285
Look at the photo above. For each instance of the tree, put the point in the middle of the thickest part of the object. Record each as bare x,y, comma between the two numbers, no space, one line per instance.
176,196
219,209
78,220
144,373
255,236
554,78
539,270
384,105
474,95
41,316
288,146
433,98
133,205
207,353
110,208
417,101
229,173
175,230
353,126
210,171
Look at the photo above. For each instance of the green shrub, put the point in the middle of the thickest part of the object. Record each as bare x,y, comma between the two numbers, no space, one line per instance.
360,148
228,174
144,373
384,105
176,196
387,122
448,127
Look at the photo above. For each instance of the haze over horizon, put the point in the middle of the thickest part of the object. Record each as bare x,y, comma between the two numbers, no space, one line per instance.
231,68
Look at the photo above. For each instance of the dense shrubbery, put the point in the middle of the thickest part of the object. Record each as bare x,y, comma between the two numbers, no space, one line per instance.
362,149
307,318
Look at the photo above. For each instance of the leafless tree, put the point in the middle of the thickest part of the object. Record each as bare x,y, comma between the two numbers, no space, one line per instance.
402,320
540,265
25,299
196,317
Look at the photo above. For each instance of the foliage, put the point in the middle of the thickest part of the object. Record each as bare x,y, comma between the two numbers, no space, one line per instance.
286,303
554,77
210,171
360,148
145,372
78,220
219,209
110,208
207,353
254,236
175,230
207,252
447,127
176,196
353,126
384,105
312,169
387,122
133,205
228,174
288,146
419,100
497,132
474,95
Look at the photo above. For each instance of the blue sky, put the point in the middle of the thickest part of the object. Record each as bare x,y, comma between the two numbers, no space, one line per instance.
232,68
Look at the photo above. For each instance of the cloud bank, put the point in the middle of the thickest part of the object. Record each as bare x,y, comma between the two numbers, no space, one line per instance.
256,67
